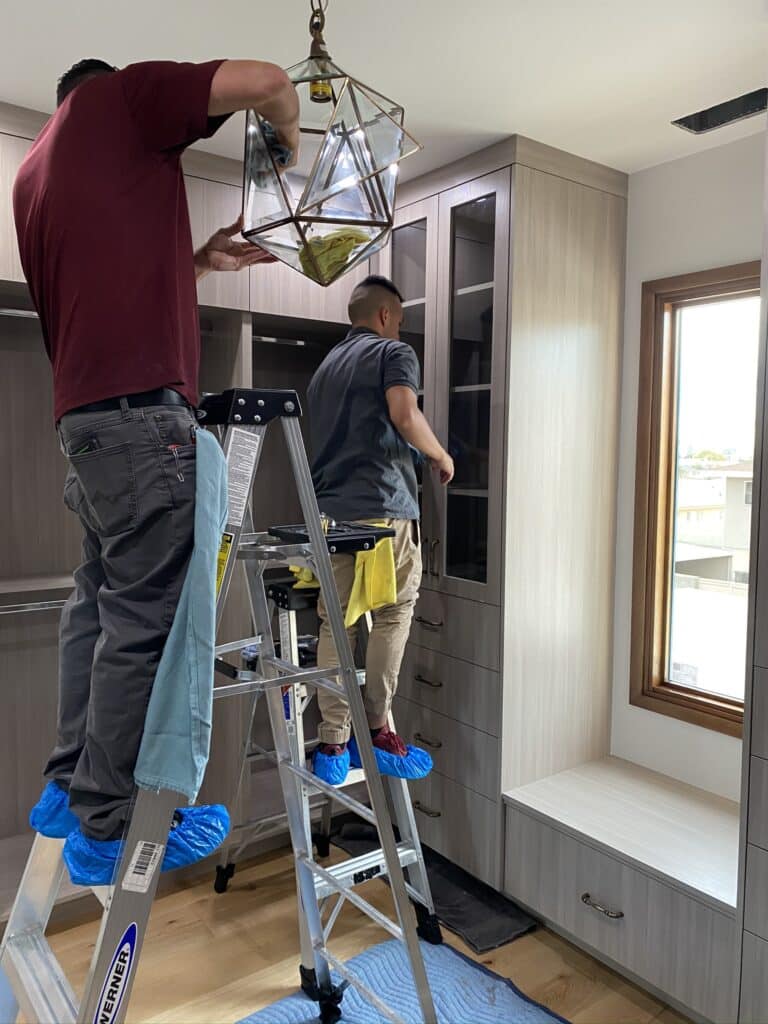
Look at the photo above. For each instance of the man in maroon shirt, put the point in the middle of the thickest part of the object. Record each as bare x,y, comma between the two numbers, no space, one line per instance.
104,236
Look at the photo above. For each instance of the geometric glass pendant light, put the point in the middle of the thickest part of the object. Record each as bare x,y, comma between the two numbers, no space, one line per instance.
336,206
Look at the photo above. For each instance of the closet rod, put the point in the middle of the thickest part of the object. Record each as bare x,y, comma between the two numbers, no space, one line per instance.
31,606
26,314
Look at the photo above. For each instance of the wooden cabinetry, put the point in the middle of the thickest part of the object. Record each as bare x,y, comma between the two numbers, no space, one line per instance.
753,869
674,942
214,205
519,349
279,291
12,152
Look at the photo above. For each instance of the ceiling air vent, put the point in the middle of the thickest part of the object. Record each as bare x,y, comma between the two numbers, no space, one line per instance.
725,113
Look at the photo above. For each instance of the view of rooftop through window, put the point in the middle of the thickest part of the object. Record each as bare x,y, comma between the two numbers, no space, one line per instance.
717,349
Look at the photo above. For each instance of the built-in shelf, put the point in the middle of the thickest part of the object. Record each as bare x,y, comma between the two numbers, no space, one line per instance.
468,388
675,831
36,584
486,286
468,492
414,302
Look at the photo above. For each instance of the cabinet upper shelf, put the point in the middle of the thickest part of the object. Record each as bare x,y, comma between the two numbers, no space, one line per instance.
486,286
35,584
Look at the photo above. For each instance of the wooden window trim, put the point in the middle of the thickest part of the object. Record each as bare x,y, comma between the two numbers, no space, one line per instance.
652,535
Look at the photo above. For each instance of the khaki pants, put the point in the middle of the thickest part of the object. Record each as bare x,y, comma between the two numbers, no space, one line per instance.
386,644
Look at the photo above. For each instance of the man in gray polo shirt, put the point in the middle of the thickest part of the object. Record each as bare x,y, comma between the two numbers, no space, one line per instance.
365,424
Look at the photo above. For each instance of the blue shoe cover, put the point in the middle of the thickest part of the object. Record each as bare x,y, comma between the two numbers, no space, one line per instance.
196,833
416,764
201,831
331,768
91,861
51,815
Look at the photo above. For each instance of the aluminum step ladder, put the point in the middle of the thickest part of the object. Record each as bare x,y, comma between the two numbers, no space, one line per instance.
31,979
244,416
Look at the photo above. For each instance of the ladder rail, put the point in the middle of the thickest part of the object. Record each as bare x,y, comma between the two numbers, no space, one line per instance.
324,573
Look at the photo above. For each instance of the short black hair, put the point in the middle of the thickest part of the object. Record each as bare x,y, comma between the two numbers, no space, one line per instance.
379,281
79,72
367,297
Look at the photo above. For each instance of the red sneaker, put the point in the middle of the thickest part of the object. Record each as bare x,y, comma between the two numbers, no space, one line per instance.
389,742
332,749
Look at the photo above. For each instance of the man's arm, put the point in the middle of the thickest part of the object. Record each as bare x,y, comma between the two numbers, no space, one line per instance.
411,423
260,86
265,88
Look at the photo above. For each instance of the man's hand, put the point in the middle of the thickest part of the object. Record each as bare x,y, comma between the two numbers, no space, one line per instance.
443,466
288,135
221,252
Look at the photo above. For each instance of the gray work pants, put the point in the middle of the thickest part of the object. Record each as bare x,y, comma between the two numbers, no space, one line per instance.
131,482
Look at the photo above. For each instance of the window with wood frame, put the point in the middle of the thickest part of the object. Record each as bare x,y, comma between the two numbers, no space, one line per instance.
693,494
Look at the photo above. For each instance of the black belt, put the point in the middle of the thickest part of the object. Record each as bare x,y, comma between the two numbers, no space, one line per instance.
138,400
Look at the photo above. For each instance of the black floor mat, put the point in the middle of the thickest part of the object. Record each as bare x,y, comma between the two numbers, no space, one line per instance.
481,916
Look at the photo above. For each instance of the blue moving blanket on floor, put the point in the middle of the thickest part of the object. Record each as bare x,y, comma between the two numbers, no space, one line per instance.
464,992
177,732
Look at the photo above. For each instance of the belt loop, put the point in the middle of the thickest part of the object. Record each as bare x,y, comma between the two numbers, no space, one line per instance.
125,408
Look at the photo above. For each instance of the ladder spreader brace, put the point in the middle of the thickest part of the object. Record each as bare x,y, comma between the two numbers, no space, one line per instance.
31,979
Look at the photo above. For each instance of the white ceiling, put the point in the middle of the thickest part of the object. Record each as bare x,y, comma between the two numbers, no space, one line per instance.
600,78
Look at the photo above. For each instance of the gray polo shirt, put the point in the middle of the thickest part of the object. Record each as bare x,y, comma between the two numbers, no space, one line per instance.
361,467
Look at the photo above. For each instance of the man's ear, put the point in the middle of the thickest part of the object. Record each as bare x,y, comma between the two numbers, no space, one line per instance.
384,315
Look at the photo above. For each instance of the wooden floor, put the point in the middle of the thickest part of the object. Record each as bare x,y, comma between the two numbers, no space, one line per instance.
210,958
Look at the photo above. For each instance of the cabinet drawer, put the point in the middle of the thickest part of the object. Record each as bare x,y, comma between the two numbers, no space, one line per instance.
464,692
756,895
464,754
459,628
757,819
459,824
677,944
753,1007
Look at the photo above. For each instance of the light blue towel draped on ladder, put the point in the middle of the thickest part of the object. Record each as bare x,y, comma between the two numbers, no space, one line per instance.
177,732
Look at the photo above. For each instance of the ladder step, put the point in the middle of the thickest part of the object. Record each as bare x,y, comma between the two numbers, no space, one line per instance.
361,869
354,898
238,645
44,994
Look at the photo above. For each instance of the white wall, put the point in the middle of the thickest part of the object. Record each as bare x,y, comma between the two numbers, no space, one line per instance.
693,214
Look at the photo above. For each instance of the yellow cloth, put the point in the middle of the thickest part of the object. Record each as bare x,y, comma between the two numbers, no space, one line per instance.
331,252
374,585
305,578
375,582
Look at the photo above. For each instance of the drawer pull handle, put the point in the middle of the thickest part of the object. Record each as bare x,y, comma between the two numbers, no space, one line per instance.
428,682
613,914
435,744
429,623
423,809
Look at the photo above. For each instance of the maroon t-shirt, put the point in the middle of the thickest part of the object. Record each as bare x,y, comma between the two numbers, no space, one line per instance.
103,228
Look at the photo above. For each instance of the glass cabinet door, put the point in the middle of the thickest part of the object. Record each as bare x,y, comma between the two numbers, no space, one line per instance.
410,261
474,235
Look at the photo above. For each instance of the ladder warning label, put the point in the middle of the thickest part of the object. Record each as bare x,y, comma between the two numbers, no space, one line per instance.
222,558
144,861
241,458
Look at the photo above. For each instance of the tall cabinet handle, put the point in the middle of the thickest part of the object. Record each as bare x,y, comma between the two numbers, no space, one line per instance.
425,558
432,553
